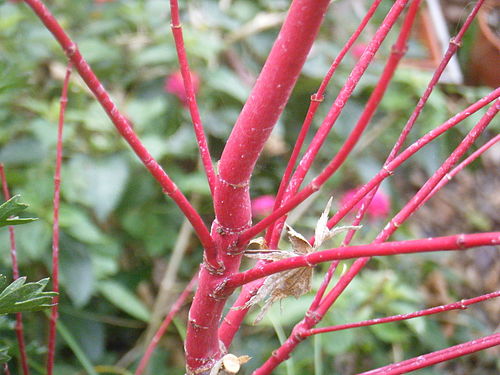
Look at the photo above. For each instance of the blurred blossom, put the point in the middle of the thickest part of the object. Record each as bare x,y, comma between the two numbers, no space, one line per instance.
358,49
263,205
379,206
175,85
103,1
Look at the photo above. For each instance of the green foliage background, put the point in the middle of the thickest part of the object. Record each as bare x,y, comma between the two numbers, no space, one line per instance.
118,229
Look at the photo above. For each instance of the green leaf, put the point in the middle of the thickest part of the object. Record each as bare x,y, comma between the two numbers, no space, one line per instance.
20,296
4,357
124,300
9,211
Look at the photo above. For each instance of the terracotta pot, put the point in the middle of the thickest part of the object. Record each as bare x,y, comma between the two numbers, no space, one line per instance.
485,53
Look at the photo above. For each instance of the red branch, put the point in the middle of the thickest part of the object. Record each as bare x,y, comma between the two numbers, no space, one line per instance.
164,325
190,94
448,243
125,129
55,225
19,328
438,356
460,305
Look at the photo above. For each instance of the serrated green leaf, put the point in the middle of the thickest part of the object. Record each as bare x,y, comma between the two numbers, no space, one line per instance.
20,296
4,357
9,211
13,286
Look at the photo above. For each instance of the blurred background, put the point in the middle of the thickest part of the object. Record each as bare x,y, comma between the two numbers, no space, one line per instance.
119,231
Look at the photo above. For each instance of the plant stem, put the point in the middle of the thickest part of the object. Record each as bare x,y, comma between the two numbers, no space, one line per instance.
448,243
19,327
125,129
460,305
55,226
437,356
191,97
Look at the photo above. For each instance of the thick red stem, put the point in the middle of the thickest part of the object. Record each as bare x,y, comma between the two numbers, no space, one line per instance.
55,226
443,355
232,201
19,328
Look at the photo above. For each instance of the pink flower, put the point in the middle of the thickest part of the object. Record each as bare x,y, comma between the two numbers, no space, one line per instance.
175,85
379,206
263,205
103,1
358,49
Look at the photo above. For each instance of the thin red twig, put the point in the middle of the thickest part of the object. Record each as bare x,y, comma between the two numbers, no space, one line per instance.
283,352
460,305
316,100
448,177
397,52
453,46
164,325
447,243
6,370
317,182
191,96
412,205
125,129
336,109
19,327
55,225
443,355
401,46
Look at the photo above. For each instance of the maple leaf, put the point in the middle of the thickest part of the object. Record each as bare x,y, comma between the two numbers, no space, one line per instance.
295,282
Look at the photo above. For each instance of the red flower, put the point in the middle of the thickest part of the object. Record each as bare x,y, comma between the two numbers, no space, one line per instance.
263,205
175,85
379,206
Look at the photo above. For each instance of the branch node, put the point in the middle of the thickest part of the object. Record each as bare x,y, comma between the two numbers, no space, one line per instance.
71,50
196,325
312,317
316,98
242,185
211,269
454,42
399,51
389,172
178,26
461,241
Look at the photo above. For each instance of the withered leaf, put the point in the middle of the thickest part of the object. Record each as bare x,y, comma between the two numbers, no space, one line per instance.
296,282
